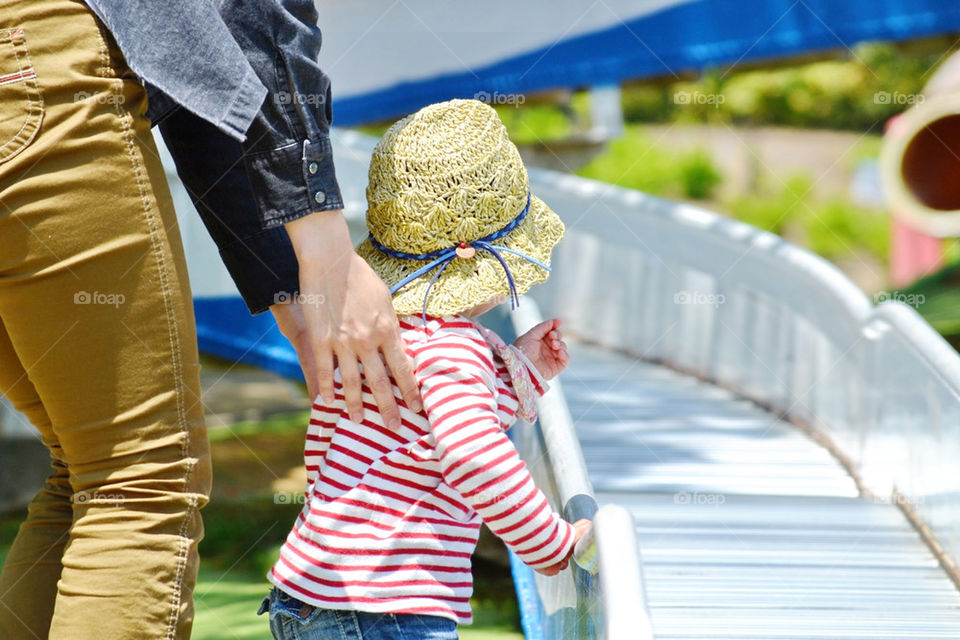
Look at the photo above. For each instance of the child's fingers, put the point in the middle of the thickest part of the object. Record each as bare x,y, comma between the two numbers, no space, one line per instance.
550,326
546,326
538,331
555,334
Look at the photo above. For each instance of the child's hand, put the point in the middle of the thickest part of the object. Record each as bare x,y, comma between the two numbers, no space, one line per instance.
545,348
580,527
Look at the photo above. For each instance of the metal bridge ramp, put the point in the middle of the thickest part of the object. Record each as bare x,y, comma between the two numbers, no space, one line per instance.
748,528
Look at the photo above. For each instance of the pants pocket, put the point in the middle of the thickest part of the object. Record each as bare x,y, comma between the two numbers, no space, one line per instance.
19,93
291,618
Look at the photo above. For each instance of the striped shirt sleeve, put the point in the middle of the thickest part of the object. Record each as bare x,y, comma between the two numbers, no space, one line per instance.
477,459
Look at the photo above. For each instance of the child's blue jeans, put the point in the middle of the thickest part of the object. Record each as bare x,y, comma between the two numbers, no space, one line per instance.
291,619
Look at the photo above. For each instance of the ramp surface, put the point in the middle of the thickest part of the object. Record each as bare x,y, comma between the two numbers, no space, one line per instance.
748,528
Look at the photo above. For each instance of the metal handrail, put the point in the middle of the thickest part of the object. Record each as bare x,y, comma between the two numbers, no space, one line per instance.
621,575
744,309
624,606
559,434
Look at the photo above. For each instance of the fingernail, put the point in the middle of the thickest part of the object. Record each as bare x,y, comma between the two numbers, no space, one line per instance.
394,423
415,406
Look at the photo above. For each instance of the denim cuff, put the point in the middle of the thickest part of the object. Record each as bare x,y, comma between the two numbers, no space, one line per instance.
294,180
244,108
264,268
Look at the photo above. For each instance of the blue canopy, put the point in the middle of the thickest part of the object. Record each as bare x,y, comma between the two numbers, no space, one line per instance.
682,37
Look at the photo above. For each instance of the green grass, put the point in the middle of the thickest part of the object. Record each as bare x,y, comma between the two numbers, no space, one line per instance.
836,227
284,423
776,211
226,607
8,531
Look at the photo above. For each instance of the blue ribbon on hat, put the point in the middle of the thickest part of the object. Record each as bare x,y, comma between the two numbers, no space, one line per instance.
444,257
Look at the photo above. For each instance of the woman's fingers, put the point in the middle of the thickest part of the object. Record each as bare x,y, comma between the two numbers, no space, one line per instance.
323,363
322,345
376,373
352,385
377,379
291,322
402,369
309,366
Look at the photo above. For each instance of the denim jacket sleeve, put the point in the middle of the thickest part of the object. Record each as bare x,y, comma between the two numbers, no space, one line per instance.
287,150
250,163
283,170
260,261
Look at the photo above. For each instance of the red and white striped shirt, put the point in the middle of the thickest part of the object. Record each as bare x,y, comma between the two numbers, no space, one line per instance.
391,517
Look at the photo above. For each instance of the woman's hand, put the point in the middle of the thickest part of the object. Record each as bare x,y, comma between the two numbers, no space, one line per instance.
289,317
545,348
344,317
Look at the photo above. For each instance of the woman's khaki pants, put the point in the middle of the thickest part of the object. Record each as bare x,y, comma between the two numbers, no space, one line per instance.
97,341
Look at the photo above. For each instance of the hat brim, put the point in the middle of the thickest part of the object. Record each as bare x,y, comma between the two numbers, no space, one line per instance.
466,283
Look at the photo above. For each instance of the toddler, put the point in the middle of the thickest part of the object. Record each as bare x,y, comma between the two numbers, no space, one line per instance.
382,546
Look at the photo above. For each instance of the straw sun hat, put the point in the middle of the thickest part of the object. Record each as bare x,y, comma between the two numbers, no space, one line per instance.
450,213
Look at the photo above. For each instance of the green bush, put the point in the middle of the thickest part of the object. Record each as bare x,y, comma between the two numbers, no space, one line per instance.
833,229
633,161
698,175
533,124
859,91
646,103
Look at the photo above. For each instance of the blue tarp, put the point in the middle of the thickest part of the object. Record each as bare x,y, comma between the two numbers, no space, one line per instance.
227,330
